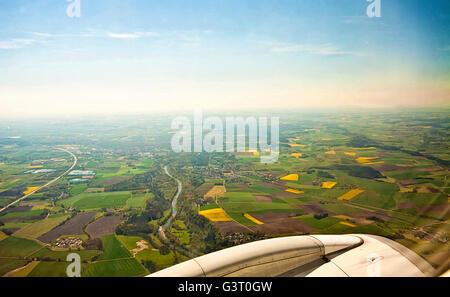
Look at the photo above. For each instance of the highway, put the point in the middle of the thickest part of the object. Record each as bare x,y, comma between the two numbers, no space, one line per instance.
75,160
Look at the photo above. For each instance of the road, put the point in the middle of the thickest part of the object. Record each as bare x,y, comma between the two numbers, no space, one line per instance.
174,204
75,160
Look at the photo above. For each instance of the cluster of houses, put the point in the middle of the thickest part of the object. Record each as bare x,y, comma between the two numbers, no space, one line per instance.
68,242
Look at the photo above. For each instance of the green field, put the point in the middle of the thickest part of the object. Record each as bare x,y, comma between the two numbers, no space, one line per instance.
316,223
62,255
115,268
161,261
30,213
398,158
138,200
86,201
129,242
7,265
39,228
113,249
49,269
18,247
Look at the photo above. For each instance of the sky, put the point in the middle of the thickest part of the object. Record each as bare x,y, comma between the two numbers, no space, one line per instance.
139,56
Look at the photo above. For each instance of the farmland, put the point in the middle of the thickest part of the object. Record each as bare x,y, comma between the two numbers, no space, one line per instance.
103,226
35,230
338,176
88,201
116,268
74,226
381,173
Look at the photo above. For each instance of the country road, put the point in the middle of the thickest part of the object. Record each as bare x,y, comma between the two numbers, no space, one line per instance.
75,160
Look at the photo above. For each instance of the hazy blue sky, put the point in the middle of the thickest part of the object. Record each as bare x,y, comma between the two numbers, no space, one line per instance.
141,55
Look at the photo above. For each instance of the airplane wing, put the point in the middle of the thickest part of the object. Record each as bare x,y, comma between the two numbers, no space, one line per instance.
354,255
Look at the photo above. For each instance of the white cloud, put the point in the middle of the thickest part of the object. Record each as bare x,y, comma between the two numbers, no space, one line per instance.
132,35
123,35
17,43
325,49
43,35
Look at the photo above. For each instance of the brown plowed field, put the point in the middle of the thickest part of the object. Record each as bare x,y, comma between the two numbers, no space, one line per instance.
313,208
263,199
230,227
103,226
281,224
74,226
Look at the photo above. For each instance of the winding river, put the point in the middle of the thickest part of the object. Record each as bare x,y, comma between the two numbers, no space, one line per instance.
174,204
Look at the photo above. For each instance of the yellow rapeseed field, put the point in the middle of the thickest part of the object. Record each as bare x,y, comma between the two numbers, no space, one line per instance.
350,154
246,215
406,190
2,235
374,163
364,148
290,177
347,224
296,145
297,155
328,185
215,215
363,160
351,194
369,160
387,179
294,191
30,189
342,217
331,153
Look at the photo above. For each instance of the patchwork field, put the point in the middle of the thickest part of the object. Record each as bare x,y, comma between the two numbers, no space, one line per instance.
338,176
74,226
35,230
116,261
89,201
365,171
